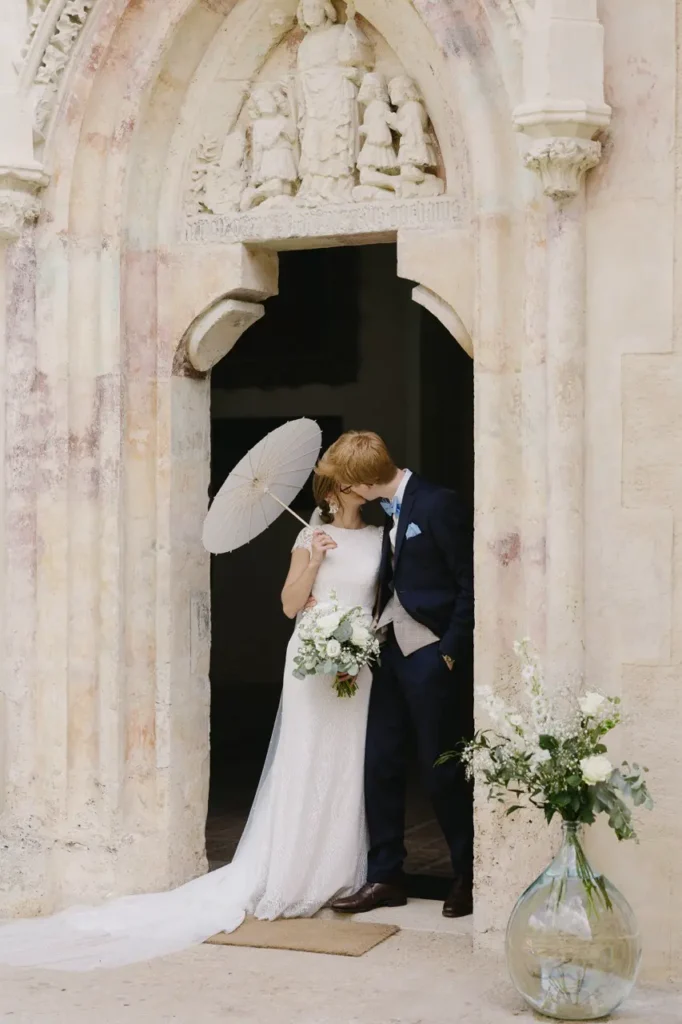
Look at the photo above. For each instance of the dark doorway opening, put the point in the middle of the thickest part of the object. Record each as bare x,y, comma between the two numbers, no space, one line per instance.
344,344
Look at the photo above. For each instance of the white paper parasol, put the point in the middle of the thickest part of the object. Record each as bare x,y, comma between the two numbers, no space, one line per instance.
264,483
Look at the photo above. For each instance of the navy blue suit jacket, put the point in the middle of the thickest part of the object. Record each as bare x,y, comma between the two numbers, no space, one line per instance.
433,575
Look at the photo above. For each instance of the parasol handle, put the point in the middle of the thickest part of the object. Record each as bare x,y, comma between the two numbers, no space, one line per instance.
286,507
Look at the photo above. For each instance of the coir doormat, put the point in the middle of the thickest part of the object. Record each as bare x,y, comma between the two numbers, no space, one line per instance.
308,935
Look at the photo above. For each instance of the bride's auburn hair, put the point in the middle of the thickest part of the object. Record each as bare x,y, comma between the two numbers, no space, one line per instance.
358,457
325,491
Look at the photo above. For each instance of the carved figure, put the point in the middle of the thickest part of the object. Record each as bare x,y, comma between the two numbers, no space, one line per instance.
331,59
225,179
206,158
274,171
378,163
417,151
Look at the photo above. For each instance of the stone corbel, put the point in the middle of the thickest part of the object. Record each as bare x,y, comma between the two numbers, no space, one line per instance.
562,164
564,87
19,199
217,331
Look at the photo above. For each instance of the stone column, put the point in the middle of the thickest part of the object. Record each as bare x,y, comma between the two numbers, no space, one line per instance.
21,178
563,66
562,164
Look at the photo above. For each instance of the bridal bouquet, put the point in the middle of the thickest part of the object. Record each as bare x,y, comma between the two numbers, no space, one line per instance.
337,642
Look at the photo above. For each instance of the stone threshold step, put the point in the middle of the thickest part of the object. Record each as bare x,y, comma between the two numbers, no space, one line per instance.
418,916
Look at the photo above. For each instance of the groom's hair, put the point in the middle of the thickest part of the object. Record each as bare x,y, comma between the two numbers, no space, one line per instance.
358,457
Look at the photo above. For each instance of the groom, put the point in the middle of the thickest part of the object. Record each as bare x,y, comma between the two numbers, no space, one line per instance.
424,683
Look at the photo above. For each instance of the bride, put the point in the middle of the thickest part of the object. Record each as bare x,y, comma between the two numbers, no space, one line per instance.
305,842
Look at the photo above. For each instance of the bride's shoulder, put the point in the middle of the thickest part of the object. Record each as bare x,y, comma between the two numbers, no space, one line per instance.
304,539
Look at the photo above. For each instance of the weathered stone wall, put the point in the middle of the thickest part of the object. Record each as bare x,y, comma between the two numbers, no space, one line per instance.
104,422
634,465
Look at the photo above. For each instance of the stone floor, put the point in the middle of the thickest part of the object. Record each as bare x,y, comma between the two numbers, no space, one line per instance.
416,977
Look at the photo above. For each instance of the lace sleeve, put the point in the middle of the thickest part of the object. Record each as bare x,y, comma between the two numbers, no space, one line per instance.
304,539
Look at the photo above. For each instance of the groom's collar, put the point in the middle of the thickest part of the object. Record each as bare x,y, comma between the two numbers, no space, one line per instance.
402,486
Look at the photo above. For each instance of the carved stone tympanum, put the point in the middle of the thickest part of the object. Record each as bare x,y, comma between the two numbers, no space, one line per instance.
331,131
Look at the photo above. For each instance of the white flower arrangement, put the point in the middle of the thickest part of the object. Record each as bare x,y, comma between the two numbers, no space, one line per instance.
558,763
335,642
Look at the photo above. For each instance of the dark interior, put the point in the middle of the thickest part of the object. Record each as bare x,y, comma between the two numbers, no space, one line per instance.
344,344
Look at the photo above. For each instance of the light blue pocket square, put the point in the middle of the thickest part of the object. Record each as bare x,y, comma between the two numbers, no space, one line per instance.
412,531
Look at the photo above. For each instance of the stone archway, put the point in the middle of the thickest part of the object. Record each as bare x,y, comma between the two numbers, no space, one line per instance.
108,753
133,779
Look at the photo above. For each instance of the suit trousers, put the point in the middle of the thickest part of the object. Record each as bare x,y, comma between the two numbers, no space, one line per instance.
417,695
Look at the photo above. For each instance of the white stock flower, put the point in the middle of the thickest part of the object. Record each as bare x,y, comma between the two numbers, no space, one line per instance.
333,649
591,703
360,635
596,769
328,624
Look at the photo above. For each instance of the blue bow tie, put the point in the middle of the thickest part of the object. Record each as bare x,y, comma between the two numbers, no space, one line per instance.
391,508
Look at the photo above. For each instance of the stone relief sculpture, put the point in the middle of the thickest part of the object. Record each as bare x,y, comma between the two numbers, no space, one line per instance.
57,53
226,178
377,163
333,131
417,153
36,10
274,143
330,62
205,159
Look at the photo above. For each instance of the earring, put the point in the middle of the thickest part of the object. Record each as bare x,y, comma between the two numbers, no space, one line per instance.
333,507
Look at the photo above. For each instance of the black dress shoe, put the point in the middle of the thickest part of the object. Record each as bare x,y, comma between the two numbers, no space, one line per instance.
371,896
460,902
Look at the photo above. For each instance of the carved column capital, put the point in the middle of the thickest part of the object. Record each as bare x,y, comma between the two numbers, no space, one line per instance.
19,199
562,164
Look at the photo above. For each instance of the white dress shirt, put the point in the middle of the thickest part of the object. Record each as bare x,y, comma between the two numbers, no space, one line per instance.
399,495
411,636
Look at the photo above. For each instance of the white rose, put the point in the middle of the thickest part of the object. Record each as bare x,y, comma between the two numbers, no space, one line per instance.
328,624
333,649
360,635
590,703
596,769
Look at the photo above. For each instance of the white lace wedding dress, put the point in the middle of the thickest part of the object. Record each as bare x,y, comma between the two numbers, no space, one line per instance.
305,841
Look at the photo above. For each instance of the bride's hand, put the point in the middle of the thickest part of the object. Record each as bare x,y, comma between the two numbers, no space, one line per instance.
322,543
310,603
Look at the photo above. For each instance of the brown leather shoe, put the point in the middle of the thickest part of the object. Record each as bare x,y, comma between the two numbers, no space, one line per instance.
371,896
460,901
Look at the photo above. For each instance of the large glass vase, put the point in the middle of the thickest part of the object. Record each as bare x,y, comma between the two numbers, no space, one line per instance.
573,945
